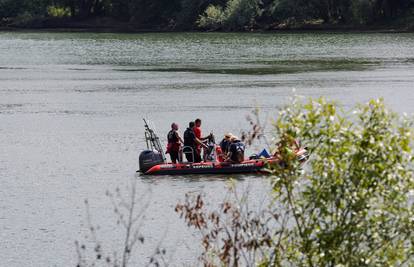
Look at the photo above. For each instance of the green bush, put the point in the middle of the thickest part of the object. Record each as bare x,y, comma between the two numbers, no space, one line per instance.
240,14
212,18
237,15
351,205
58,12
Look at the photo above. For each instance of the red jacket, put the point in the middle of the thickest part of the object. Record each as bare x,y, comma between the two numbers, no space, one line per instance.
197,132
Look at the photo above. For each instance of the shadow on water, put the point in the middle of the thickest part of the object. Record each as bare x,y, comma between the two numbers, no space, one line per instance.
268,67
12,68
190,178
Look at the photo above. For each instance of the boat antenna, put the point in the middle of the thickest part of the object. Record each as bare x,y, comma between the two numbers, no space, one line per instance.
152,140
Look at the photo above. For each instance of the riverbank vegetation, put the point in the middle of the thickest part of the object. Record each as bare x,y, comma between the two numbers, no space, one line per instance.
351,204
225,15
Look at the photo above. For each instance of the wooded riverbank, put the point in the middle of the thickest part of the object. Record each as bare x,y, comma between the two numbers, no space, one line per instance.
111,25
208,15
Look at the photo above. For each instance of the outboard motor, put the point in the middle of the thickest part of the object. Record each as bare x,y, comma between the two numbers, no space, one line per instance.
154,154
148,159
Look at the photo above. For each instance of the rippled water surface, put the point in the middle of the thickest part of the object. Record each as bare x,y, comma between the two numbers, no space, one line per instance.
70,120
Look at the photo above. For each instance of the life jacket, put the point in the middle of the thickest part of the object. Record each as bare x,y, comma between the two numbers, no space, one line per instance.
173,142
172,137
237,151
189,138
224,144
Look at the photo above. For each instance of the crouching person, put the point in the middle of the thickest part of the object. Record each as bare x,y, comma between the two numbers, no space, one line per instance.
236,150
223,149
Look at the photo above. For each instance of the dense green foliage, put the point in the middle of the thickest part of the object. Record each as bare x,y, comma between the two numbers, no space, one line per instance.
351,206
214,14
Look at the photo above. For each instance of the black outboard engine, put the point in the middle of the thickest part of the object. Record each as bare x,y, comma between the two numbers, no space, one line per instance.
154,154
148,159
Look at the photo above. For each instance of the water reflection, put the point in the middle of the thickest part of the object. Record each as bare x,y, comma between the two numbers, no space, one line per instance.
197,178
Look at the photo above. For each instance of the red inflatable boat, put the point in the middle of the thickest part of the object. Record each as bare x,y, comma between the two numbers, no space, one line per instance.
247,166
152,161
207,168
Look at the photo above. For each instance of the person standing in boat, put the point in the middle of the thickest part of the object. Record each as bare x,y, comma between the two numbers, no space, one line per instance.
236,151
191,144
198,134
174,143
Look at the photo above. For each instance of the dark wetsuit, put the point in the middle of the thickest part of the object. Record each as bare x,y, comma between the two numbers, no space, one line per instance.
190,142
237,151
173,147
224,145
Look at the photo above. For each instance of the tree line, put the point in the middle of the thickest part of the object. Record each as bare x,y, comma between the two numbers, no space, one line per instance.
213,14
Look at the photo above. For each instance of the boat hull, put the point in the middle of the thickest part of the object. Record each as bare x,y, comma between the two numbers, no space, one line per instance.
250,166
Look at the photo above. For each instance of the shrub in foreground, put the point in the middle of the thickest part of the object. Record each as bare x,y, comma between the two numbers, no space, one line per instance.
351,205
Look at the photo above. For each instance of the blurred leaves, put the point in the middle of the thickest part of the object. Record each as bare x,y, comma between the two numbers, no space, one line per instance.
351,206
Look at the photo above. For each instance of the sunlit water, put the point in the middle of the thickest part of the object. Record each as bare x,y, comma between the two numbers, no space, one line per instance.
70,120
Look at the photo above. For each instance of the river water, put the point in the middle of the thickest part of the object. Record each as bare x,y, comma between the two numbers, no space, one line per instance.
71,109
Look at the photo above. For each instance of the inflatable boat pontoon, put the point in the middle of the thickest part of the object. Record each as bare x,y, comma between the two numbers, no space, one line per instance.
153,161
